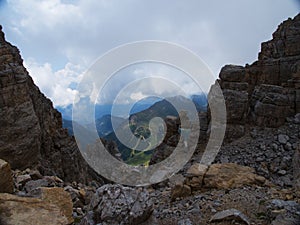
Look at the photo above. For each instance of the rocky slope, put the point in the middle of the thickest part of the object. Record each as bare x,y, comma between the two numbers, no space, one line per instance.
31,133
254,179
263,128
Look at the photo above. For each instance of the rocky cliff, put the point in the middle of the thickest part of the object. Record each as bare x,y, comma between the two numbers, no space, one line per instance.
31,133
268,91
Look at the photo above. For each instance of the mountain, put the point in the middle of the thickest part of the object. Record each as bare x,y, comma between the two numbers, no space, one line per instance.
166,107
200,101
68,125
120,110
139,124
31,134
104,125
144,104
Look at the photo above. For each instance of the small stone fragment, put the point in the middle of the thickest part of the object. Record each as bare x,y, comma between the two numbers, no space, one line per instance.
230,214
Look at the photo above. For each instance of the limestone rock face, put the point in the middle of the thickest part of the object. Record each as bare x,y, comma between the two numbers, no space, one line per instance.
271,105
268,91
6,178
31,133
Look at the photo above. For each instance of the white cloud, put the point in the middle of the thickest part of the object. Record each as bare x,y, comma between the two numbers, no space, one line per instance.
55,35
55,85
136,96
141,80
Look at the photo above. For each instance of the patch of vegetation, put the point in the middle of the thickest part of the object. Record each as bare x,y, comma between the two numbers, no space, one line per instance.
141,158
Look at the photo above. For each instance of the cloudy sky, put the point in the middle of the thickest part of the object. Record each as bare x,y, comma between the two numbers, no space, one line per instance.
60,39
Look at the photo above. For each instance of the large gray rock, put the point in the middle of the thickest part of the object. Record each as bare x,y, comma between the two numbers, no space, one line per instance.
116,204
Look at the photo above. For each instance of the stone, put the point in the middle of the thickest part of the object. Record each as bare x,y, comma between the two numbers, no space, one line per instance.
176,179
180,191
115,204
275,146
296,170
234,132
297,118
6,178
283,139
60,198
22,179
35,175
25,210
195,175
197,170
282,172
34,184
285,221
88,219
230,175
185,222
280,204
230,214
286,212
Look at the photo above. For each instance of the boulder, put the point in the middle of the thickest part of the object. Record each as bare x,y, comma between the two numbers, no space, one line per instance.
60,198
54,207
231,175
195,175
197,170
116,204
6,178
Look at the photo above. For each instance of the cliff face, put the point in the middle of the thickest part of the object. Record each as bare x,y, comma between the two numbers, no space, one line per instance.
31,133
268,91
